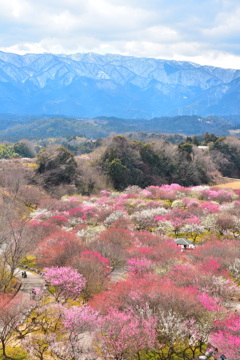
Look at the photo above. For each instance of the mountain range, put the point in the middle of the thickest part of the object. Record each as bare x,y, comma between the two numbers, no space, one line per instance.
92,85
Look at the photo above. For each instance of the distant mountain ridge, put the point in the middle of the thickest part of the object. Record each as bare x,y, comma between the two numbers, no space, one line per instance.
92,85
14,128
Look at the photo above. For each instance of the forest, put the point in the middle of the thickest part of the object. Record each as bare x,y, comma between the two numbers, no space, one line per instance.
17,127
97,236
141,159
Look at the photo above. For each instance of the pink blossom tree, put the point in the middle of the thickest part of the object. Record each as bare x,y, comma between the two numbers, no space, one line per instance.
79,319
81,323
180,217
123,334
64,282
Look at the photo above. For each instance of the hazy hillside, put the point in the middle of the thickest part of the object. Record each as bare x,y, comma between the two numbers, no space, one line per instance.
91,85
44,127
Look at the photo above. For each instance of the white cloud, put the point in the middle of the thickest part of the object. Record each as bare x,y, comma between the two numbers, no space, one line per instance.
205,31
226,29
217,58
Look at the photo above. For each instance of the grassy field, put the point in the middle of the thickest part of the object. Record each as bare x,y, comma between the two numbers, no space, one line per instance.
234,185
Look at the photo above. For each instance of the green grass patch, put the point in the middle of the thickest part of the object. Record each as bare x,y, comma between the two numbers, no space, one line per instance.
29,260
14,353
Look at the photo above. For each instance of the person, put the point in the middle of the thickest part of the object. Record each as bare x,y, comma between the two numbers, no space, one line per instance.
34,293
209,352
25,274
222,357
215,353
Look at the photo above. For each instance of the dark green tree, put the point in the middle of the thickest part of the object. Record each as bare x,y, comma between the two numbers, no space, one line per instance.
210,138
189,139
127,162
24,150
123,154
119,174
195,141
186,150
56,166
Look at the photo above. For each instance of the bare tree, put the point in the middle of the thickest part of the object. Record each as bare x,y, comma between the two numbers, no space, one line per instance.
36,345
11,315
17,237
14,175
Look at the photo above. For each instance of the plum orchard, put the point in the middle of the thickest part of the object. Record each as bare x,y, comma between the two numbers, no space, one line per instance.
166,304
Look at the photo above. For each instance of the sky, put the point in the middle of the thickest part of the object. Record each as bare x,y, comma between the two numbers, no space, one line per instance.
206,32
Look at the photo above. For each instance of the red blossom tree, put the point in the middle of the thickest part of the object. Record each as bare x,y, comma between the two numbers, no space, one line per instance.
95,268
58,249
117,236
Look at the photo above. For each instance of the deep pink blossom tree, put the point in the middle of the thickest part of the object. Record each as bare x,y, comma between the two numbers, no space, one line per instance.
138,266
209,302
226,337
59,220
209,207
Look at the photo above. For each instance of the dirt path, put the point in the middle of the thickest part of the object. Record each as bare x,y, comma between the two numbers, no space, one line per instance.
118,274
33,281
235,306
26,299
